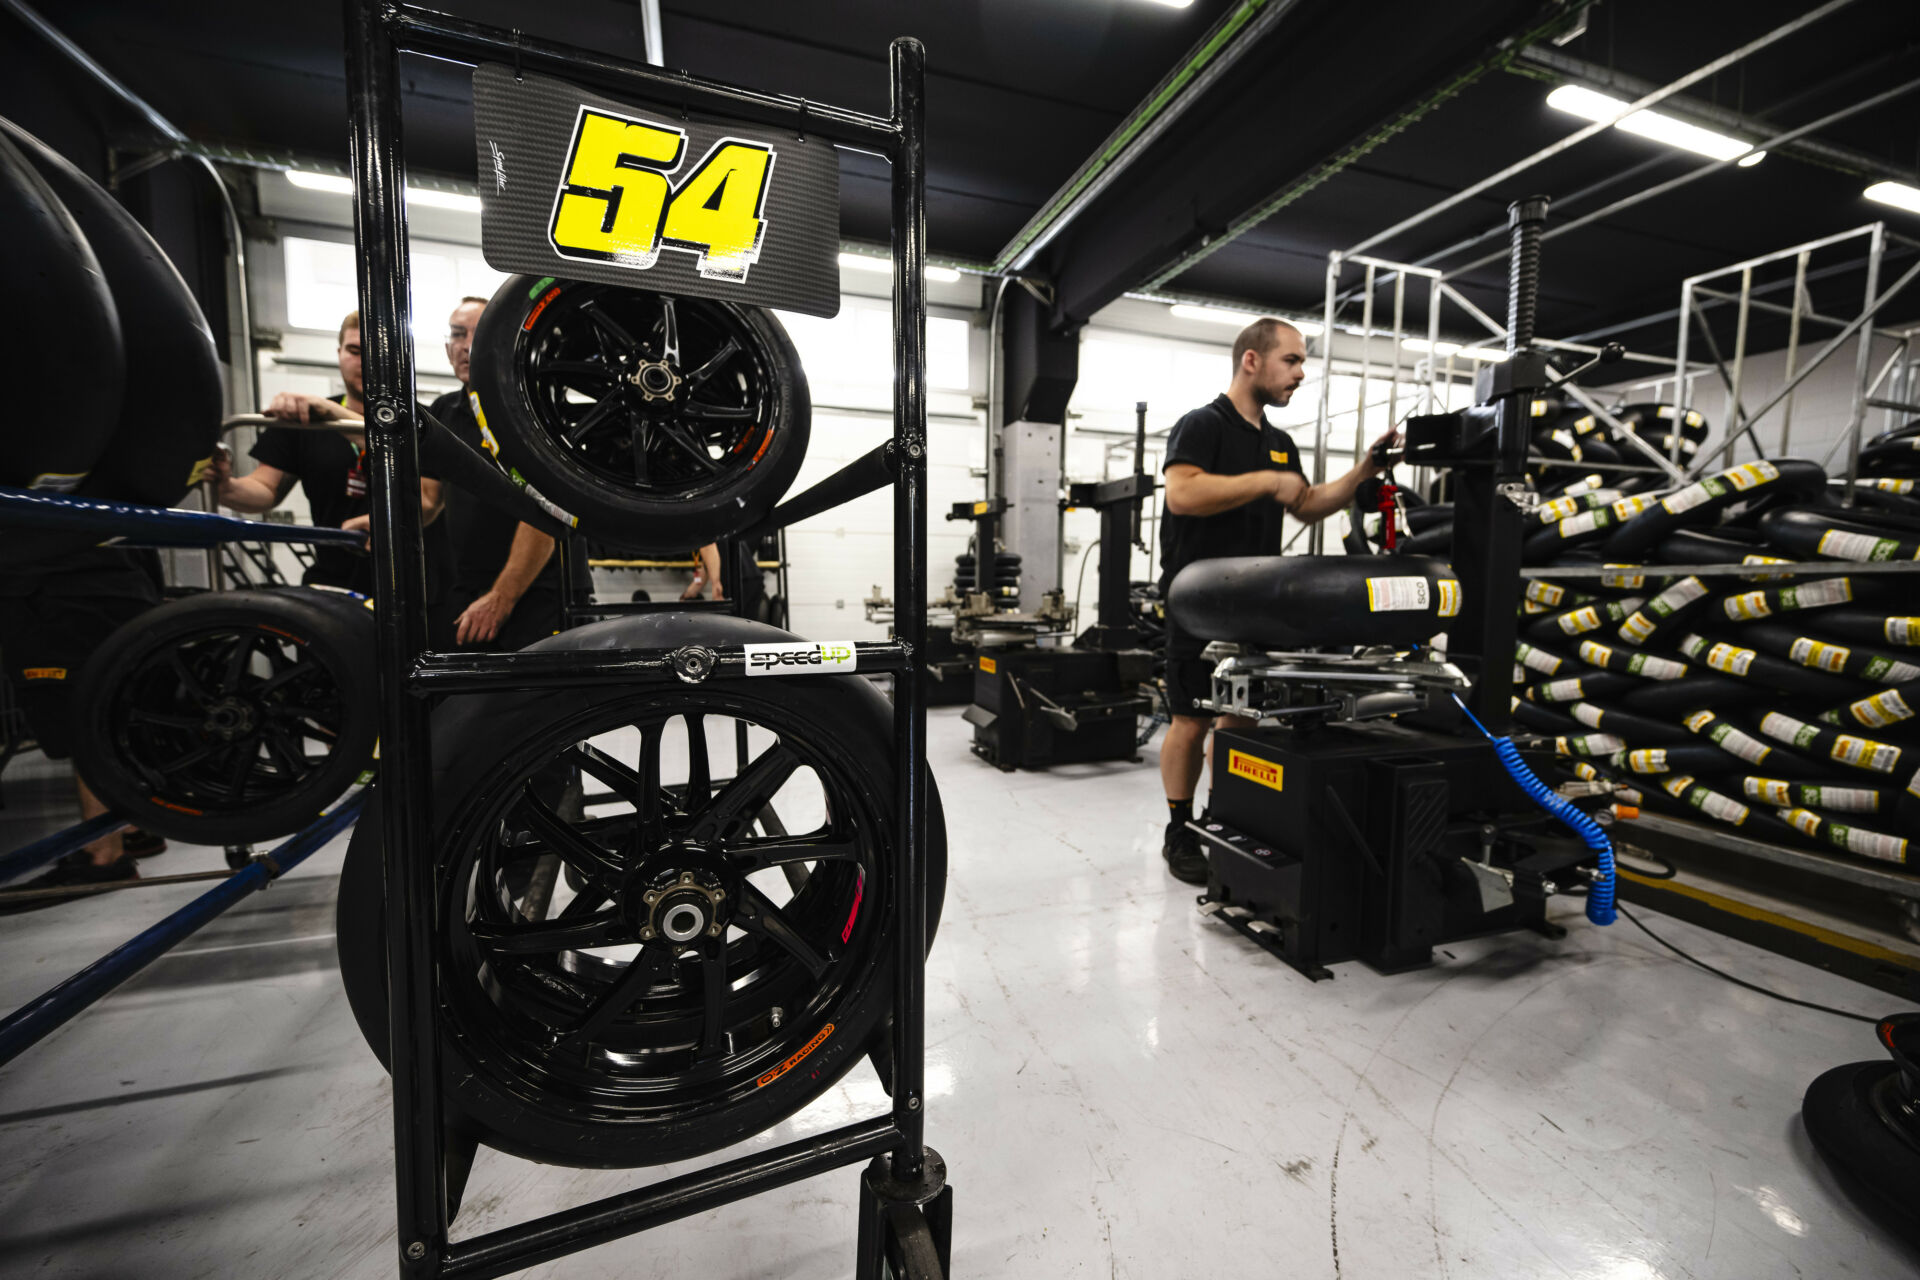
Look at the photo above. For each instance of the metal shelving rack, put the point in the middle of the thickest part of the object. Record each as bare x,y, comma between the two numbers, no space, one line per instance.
904,1185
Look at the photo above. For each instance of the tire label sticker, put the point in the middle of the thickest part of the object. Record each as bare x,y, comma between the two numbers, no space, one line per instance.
1628,508
1751,474
1561,691
1786,729
1814,653
58,481
1559,509
1730,659
1586,522
803,659
1807,824
1594,654
1545,592
1715,805
1768,791
1648,761
1449,597
1815,594
43,673
1843,799
1734,742
1881,710
1637,629
1902,630
1745,608
1842,545
1677,596
1391,595
1870,844
799,1056
1587,714
1587,619
1645,664
1254,769
1686,499
1877,756
1532,657
1628,580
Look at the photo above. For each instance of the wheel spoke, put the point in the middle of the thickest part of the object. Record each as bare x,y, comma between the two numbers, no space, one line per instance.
687,445
733,809
609,326
189,680
639,444
760,855
165,721
699,768
237,663
670,331
718,413
619,998
698,377
601,930
585,857
304,667
574,369
714,990
191,758
593,417
758,915
649,807
292,763
243,770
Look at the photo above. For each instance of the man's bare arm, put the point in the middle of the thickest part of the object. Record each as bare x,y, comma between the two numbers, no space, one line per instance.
1193,492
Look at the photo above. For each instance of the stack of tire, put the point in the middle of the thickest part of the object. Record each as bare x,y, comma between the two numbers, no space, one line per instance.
219,719
1003,585
1787,707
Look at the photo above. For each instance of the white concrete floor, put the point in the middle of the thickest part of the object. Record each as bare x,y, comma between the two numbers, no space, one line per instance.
1121,1089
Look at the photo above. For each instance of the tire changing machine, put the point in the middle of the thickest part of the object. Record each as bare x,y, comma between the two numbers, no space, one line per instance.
905,1202
1036,706
1343,834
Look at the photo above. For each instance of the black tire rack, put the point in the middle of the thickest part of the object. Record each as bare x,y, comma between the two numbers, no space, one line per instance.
905,1211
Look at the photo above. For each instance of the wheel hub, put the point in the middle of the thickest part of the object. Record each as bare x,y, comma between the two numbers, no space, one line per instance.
229,718
655,379
678,898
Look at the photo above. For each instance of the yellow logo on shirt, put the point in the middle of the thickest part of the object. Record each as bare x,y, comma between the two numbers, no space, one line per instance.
1279,455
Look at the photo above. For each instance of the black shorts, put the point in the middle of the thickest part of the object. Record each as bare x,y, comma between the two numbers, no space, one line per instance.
48,633
1187,680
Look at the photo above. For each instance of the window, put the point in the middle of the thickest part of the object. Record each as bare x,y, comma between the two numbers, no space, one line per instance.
322,287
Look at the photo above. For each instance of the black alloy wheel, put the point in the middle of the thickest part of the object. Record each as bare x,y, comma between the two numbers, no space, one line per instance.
659,421
668,917
231,717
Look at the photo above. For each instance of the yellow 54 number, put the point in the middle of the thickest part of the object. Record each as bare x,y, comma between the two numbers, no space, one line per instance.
618,205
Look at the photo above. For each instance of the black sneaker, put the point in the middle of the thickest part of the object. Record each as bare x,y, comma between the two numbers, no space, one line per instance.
1182,852
135,843
72,871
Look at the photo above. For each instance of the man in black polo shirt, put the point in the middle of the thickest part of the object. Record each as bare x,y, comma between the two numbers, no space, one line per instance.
1232,477
331,468
506,577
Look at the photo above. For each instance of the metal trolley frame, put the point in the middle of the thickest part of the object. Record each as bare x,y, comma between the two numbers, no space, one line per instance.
903,1195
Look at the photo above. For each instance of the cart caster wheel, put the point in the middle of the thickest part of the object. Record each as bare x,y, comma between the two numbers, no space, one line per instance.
238,856
906,1227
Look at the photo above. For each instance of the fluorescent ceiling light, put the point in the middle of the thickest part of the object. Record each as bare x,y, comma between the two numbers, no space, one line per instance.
1227,315
443,199
884,266
1491,355
1897,194
321,182
1590,104
335,184
1172,4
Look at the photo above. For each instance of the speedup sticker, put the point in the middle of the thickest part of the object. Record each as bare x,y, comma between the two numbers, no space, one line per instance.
800,659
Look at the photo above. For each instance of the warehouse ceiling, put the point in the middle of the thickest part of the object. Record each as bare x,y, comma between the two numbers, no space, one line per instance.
1347,125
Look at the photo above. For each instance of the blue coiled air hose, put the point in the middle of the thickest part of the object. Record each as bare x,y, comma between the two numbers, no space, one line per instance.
1600,892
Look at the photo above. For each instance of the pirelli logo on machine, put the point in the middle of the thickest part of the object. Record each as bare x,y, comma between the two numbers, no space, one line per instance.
1254,769
801,659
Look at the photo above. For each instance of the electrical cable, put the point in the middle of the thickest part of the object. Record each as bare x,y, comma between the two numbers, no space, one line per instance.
1742,982
1080,582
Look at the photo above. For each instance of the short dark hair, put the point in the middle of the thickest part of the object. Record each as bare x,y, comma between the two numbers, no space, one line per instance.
1260,337
351,322
471,298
